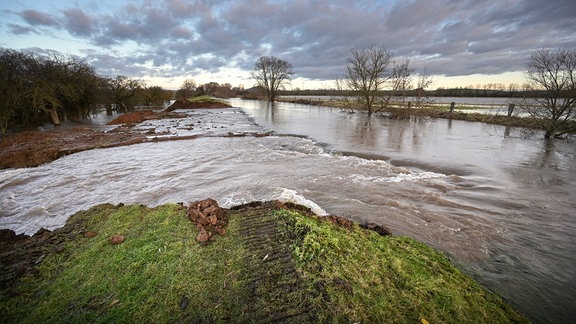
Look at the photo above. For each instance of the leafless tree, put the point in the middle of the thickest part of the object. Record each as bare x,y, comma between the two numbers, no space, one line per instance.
367,71
123,90
270,73
421,98
186,90
552,74
156,95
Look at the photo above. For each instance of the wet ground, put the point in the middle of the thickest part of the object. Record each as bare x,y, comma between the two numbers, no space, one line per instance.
34,148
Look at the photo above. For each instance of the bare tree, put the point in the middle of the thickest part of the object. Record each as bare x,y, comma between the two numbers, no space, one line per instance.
186,90
270,72
123,91
156,95
421,98
552,75
367,71
408,88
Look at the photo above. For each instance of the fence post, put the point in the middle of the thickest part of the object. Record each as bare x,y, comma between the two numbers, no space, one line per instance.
510,110
452,106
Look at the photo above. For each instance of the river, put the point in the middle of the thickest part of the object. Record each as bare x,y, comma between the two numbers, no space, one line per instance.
499,201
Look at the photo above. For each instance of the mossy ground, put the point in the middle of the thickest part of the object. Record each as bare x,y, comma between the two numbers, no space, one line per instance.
272,264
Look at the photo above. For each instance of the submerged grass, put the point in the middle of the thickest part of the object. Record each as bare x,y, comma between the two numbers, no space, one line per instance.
161,274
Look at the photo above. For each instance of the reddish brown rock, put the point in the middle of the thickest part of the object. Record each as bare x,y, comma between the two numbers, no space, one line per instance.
340,221
380,229
203,236
209,218
116,239
90,234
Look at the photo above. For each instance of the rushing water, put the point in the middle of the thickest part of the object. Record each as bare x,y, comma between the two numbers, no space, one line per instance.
499,202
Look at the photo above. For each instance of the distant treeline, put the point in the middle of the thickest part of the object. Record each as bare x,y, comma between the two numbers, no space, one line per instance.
441,92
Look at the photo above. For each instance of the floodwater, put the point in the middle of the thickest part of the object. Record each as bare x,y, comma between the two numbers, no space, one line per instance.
498,201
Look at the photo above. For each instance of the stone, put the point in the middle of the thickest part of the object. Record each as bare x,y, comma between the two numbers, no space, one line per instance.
202,236
380,229
208,217
116,239
90,234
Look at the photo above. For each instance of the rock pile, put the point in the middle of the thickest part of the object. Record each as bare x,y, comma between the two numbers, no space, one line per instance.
209,218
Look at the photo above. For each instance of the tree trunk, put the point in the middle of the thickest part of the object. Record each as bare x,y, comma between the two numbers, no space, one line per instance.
55,117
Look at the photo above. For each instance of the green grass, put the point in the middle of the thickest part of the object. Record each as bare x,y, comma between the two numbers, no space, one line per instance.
348,275
140,280
203,98
369,278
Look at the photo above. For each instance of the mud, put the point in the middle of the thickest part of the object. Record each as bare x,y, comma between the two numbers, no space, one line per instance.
210,219
271,278
34,148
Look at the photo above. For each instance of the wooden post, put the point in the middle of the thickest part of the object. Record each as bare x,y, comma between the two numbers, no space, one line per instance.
510,110
452,106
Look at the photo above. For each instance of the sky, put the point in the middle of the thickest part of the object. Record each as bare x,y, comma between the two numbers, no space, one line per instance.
164,42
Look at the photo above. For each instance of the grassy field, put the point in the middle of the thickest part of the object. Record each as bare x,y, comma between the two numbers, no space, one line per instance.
161,274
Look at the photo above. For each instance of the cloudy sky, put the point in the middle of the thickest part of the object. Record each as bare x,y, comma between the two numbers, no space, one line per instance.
461,42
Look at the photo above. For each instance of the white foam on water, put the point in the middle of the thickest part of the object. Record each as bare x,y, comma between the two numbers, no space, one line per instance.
397,178
10,173
289,195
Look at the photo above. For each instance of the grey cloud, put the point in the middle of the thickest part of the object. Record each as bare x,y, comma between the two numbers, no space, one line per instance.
34,17
78,23
450,37
181,32
20,30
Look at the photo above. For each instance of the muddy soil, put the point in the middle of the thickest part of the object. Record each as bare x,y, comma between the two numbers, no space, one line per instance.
33,148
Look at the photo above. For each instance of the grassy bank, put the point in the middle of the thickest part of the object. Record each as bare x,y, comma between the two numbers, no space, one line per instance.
272,264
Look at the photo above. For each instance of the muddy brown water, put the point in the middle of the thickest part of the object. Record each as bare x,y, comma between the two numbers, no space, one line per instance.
498,201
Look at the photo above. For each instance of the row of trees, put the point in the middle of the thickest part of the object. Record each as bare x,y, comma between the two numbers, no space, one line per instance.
189,89
368,72
36,89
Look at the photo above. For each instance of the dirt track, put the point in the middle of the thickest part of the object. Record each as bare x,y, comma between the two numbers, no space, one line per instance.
271,277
